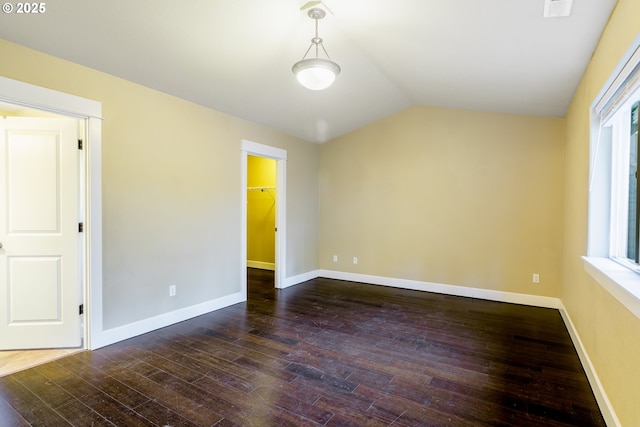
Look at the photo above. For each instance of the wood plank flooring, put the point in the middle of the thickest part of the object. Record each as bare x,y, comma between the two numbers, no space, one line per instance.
322,353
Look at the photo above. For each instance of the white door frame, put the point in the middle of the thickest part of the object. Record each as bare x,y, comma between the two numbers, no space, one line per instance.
280,155
39,98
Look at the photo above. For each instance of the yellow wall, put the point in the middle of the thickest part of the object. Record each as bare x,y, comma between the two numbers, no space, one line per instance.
261,210
609,332
447,196
172,190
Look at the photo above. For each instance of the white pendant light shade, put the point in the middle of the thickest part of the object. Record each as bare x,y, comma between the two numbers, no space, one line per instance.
316,73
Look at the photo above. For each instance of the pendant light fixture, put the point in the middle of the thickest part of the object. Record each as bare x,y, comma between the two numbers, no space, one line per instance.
316,73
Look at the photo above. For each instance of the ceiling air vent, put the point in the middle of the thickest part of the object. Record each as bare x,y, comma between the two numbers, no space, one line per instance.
557,8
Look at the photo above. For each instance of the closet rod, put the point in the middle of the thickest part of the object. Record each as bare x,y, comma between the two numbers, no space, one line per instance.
260,188
263,189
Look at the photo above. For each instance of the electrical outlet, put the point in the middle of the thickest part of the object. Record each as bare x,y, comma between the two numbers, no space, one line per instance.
355,259
536,278
335,258
172,290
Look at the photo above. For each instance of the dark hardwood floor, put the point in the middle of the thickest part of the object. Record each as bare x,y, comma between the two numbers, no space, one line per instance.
325,352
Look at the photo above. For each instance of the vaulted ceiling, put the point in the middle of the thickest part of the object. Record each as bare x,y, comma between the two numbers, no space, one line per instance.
235,56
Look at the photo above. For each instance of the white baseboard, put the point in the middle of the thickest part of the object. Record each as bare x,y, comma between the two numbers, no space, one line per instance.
463,291
301,278
608,413
111,336
261,265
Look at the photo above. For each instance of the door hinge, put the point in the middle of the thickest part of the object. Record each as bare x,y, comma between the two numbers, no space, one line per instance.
79,144
80,227
81,309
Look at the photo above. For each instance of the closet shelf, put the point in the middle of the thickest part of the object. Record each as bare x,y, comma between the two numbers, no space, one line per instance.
260,188
263,189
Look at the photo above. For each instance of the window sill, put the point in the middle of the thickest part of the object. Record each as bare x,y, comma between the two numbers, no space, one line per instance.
619,281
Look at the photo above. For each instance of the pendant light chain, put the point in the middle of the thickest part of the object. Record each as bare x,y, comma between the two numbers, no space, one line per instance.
316,39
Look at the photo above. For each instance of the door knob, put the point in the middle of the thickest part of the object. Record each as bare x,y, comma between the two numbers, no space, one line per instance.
0,245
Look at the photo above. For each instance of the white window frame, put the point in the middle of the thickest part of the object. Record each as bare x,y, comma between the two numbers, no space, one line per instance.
606,259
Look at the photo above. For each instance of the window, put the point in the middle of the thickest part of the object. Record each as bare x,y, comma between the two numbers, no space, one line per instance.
622,125
613,249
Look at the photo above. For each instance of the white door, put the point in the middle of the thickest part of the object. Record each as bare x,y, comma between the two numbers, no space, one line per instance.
39,257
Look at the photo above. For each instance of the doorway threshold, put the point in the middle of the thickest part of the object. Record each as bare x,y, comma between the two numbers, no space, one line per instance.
12,361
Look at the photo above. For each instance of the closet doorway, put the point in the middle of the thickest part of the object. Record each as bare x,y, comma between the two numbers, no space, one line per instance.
263,210
261,213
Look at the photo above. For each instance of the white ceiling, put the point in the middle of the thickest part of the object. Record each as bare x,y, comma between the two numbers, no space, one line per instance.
235,56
